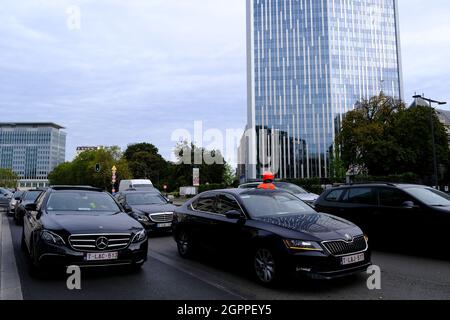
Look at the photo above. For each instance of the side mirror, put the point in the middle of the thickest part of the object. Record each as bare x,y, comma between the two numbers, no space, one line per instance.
233,214
408,205
127,208
31,207
17,199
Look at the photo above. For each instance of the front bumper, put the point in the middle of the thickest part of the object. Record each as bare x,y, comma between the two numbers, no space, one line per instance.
153,227
322,265
62,256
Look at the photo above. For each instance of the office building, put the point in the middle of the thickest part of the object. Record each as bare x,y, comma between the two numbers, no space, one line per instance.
32,151
309,62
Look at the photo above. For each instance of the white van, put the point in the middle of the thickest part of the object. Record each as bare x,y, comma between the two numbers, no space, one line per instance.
135,184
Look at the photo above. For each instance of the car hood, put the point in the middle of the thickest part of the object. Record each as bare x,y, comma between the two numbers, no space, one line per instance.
312,226
307,196
76,223
154,208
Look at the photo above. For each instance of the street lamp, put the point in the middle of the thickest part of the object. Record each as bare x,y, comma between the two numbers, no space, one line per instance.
431,101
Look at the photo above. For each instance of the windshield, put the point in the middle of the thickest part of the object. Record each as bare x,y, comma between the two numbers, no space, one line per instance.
138,199
32,196
4,192
271,204
430,196
79,201
142,186
291,188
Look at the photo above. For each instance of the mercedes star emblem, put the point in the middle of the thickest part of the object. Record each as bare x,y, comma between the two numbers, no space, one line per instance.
101,243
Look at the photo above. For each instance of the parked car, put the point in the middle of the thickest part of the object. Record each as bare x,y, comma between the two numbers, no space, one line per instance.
153,210
81,226
410,214
27,197
277,233
15,199
304,195
5,200
135,184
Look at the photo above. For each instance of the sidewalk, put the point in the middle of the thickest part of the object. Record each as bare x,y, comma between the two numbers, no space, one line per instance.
10,287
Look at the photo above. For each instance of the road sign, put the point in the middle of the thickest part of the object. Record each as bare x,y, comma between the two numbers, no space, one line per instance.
196,177
114,169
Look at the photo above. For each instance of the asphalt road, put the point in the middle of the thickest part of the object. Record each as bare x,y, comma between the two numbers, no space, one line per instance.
166,276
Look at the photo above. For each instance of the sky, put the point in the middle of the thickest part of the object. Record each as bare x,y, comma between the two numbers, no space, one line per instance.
116,72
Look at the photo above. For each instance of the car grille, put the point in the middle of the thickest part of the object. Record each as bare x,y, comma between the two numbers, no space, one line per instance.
342,247
93,243
161,217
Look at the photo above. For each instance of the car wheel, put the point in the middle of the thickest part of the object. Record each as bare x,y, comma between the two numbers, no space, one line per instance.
184,244
17,220
265,267
23,244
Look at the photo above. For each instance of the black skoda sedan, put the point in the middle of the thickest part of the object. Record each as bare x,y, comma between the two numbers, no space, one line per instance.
81,226
274,231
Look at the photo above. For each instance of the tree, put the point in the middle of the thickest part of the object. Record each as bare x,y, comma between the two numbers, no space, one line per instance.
81,171
144,161
384,137
210,162
8,178
364,138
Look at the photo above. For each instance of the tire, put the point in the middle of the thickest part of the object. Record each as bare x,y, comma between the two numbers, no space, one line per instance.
33,266
184,245
23,244
265,266
136,267
18,220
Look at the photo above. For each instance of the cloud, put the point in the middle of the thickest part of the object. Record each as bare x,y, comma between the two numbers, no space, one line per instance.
135,71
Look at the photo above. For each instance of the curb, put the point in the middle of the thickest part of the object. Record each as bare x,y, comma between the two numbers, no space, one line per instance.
10,286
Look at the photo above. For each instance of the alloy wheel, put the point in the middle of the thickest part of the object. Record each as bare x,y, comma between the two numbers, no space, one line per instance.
265,266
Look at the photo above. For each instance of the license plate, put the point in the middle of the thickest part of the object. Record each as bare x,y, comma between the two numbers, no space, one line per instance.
101,256
352,259
164,225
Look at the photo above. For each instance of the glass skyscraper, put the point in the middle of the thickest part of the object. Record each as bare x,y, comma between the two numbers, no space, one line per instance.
32,151
309,62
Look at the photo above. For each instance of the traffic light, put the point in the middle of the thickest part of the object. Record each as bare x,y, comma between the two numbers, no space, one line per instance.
97,168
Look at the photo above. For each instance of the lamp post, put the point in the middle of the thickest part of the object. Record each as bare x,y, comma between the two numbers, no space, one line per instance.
433,140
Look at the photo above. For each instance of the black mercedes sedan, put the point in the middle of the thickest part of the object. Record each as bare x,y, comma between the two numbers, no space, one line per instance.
274,231
81,226
149,207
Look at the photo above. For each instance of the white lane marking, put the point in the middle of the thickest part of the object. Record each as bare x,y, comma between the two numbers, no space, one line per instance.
10,286
185,268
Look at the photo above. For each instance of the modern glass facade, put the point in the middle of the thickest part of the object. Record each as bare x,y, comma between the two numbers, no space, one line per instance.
309,62
32,150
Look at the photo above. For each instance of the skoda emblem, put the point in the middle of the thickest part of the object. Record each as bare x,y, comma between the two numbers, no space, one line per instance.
101,243
348,237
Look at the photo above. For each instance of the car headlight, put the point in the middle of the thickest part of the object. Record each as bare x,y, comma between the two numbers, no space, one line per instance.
52,238
140,236
302,245
142,218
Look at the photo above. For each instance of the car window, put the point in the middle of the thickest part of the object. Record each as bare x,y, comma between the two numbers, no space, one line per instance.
205,204
136,199
334,195
291,188
32,196
272,204
390,197
226,203
361,196
80,201
430,196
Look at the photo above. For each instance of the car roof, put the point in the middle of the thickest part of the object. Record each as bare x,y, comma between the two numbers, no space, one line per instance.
145,190
75,188
239,192
379,184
